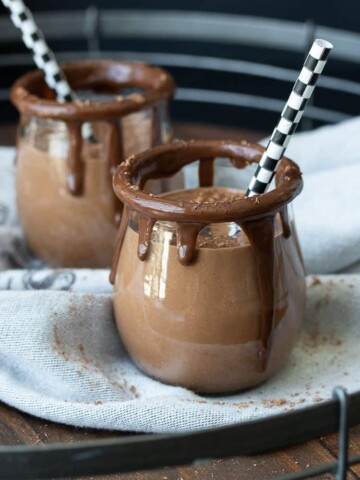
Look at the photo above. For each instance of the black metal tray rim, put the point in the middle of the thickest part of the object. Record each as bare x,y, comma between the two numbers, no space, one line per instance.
149,451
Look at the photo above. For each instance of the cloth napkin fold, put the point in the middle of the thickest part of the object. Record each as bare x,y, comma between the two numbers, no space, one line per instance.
327,212
61,357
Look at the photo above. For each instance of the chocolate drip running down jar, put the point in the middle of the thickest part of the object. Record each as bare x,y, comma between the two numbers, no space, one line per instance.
67,208
209,286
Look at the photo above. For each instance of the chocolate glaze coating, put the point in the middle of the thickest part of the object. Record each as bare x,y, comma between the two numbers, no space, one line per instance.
32,97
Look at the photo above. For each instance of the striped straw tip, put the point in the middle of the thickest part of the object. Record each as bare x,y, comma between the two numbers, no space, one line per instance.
324,43
320,50
290,116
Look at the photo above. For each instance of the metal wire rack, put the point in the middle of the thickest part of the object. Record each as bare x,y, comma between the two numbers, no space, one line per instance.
188,43
93,27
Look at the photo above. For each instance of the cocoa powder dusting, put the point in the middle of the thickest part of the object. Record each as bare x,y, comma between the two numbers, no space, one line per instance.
274,403
315,339
315,281
134,391
58,345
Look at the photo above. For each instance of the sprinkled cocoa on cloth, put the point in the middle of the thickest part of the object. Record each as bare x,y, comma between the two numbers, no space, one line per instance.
61,359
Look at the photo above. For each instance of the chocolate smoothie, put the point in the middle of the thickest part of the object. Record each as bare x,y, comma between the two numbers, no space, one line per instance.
209,285
47,208
66,205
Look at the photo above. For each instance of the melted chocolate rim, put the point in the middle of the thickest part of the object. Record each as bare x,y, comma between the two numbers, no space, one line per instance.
164,161
32,96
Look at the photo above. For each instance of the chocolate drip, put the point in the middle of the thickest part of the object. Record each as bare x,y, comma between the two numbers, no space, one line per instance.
260,233
285,224
187,234
113,147
146,225
206,172
119,242
33,98
167,160
156,134
75,164
114,156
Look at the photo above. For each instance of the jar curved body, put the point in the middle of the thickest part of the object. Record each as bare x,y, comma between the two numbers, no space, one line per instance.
199,326
63,229
209,285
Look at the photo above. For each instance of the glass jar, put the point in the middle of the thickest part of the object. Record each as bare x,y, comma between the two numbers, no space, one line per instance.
209,286
67,152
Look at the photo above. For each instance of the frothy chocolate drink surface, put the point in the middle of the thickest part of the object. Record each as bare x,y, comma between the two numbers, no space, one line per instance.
209,286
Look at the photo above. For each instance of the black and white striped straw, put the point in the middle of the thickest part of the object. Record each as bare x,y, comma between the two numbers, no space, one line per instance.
290,117
43,56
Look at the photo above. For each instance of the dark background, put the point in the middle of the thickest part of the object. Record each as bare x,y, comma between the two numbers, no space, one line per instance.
343,15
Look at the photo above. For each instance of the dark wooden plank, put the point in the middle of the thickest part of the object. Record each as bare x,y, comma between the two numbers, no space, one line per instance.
15,428
18,428
331,443
260,467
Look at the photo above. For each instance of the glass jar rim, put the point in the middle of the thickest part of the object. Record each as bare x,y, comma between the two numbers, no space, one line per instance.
130,177
29,92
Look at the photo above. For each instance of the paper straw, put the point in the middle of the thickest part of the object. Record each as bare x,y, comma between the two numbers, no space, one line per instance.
290,117
43,56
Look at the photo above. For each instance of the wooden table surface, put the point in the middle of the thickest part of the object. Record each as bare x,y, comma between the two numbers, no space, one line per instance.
19,428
